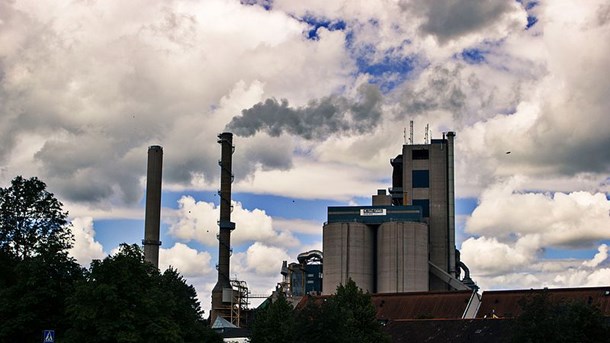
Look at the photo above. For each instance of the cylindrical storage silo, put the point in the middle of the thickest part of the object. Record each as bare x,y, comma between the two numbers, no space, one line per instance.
402,257
348,253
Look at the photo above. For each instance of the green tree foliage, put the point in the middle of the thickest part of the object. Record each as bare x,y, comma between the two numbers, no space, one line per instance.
125,299
543,320
119,299
32,221
347,316
275,323
36,273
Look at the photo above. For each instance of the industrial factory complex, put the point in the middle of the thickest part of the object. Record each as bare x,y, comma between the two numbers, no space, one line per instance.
401,249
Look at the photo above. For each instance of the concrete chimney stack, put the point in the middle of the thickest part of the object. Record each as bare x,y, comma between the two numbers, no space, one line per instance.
222,293
152,221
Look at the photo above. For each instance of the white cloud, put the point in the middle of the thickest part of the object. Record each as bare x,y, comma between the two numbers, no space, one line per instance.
197,220
534,272
259,266
489,256
600,277
108,79
85,248
188,261
559,219
265,260
87,86
600,257
301,226
322,180
547,133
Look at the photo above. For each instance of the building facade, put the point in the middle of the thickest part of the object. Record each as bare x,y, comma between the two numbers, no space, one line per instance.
405,241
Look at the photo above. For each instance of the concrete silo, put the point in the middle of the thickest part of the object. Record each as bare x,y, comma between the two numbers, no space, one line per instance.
348,253
409,234
402,257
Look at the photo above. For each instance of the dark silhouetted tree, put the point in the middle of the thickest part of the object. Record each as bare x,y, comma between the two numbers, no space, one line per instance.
543,320
347,316
275,323
125,299
32,221
36,273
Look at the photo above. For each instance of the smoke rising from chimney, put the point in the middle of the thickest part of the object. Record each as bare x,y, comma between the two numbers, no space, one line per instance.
316,121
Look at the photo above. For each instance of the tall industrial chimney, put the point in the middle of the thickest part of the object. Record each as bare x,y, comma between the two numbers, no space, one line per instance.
223,292
451,204
151,240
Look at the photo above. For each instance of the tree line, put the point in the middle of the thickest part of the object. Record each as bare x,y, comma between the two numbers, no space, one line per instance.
347,316
121,298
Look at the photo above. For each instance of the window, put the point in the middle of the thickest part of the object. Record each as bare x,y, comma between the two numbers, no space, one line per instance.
422,154
425,206
421,178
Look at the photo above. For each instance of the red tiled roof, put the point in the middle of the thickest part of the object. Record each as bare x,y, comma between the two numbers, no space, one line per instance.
421,305
415,305
506,304
451,330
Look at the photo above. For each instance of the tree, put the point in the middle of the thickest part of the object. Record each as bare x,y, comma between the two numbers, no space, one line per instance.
543,320
125,299
347,316
36,273
275,323
32,221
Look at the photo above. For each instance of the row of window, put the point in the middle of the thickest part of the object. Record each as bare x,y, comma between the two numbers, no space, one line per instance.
421,179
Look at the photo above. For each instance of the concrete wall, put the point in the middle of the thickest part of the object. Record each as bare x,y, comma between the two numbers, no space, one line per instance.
441,246
402,257
348,253
153,205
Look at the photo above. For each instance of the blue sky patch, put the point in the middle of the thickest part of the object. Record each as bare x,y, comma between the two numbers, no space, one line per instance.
112,232
316,23
558,253
388,72
531,4
465,206
531,21
266,4
473,56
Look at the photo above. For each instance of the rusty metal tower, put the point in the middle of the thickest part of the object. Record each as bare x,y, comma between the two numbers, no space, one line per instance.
222,294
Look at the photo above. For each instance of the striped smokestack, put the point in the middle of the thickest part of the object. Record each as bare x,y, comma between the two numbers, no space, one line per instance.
151,240
222,292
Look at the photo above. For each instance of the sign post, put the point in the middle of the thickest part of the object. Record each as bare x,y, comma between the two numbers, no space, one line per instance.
48,336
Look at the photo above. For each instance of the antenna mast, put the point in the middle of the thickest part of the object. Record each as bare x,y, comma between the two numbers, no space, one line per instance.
426,141
411,132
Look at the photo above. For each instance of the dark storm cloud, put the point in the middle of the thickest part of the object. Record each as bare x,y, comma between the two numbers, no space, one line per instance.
87,167
447,20
318,120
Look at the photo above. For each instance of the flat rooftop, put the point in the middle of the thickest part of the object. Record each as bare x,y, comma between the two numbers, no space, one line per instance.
374,214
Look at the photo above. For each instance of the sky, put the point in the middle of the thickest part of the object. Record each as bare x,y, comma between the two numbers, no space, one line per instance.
318,95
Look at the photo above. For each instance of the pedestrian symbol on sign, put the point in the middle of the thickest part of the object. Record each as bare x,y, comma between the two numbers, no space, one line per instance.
48,336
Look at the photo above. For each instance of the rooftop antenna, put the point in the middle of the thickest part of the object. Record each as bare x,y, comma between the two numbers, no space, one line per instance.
426,136
411,132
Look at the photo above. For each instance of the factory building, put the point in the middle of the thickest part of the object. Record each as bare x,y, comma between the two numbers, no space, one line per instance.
304,277
405,241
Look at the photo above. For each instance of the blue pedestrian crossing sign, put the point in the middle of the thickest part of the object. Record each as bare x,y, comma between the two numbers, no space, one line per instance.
48,336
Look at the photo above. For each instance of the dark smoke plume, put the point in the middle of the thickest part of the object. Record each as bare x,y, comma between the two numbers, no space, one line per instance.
318,120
